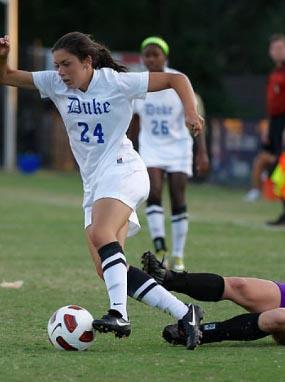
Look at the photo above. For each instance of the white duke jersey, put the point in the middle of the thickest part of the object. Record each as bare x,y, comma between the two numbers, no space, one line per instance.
163,136
96,120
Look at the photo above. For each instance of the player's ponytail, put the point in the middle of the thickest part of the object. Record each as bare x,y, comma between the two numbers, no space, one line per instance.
81,45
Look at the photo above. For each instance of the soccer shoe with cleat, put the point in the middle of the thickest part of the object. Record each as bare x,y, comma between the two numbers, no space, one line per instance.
172,335
152,266
177,264
189,326
113,322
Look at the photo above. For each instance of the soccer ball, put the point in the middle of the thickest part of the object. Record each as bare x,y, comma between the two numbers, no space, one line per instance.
70,328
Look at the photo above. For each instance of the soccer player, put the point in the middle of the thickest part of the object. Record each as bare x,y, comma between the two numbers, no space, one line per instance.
273,142
94,96
166,148
264,299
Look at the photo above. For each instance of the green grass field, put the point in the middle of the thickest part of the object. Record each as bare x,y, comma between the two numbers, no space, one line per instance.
42,243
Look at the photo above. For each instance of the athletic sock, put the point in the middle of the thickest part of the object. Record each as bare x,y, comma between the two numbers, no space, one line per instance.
144,288
201,286
155,219
239,328
115,275
179,227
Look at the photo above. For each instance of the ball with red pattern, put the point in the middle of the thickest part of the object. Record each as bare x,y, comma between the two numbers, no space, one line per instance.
70,328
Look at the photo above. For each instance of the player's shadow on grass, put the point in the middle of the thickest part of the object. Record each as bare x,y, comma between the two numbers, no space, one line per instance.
243,345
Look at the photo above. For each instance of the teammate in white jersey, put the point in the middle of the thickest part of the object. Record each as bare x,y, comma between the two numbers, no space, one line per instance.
94,97
166,148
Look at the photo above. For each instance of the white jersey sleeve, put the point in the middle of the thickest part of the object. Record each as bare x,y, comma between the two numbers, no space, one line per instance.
44,81
133,85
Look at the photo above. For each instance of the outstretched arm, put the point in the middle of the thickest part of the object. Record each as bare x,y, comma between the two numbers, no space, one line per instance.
17,78
181,84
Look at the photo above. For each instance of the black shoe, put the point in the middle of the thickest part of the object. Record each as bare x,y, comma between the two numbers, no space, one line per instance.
113,322
189,326
279,222
172,335
153,267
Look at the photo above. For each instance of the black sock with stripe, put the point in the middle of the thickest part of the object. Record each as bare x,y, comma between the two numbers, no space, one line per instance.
114,267
144,288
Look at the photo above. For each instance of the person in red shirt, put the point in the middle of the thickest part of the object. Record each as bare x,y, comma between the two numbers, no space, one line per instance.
273,141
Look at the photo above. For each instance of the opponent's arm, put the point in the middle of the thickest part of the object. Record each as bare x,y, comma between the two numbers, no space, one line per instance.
17,78
181,84
133,131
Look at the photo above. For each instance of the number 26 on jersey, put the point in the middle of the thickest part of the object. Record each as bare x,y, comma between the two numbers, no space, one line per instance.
159,127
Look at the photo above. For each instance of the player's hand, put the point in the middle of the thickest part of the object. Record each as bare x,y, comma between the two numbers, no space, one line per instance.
202,163
195,124
4,46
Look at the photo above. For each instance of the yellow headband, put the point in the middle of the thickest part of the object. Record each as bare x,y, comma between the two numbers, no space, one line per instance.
156,41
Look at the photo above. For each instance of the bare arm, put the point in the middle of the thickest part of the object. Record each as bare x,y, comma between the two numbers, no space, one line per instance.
181,84
17,78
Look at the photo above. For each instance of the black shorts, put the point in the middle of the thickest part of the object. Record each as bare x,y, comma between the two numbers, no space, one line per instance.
275,134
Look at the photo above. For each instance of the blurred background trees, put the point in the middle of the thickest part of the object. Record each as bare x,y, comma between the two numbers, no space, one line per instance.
214,41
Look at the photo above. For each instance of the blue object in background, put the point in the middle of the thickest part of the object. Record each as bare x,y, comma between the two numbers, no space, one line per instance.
29,163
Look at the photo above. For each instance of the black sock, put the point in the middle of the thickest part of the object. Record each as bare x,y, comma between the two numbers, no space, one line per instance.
239,328
159,244
139,283
201,286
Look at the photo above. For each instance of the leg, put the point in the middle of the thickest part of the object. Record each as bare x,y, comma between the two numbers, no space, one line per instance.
155,212
110,217
273,321
177,189
247,327
122,235
140,285
201,286
144,288
261,163
255,295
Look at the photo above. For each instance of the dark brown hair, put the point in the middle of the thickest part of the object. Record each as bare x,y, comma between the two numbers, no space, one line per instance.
81,45
277,37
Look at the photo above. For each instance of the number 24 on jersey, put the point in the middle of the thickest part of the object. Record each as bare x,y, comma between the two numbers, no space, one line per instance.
97,132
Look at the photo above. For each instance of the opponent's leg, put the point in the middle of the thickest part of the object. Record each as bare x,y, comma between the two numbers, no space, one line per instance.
273,321
254,295
245,327
201,286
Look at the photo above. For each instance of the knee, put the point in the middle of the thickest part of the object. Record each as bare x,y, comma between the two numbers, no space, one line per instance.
238,285
273,321
279,319
97,236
